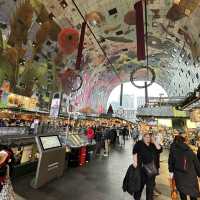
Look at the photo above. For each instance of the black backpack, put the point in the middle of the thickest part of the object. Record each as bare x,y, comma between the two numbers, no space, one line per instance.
132,180
182,162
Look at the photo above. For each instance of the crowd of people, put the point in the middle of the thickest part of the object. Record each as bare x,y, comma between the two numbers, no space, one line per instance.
183,163
183,166
106,137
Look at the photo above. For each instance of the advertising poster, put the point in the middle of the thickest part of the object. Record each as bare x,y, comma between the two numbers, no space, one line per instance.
55,105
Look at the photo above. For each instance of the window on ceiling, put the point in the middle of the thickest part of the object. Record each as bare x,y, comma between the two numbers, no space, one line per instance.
192,80
197,75
48,43
182,70
119,32
51,16
63,4
78,26
189,72
112,11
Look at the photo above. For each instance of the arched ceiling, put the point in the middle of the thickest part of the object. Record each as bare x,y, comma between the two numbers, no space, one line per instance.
174,45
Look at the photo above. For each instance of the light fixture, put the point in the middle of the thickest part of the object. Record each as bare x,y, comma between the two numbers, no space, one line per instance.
177,2
154,42
187,12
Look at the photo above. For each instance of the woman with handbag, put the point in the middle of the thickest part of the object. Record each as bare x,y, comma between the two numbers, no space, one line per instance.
145,153
184,168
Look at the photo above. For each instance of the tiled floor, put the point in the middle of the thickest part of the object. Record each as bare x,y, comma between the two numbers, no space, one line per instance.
101,179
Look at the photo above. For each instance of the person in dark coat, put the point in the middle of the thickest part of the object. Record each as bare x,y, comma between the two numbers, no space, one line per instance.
185,168
99,140
144,153
198,153
113,136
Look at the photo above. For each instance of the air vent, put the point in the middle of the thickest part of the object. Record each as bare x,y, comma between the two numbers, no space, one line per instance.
125,49
112,11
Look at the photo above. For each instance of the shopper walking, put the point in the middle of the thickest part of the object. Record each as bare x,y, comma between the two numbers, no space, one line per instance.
158,139
184,167
99,141
124,134
90,134
144,156
106,141
135,134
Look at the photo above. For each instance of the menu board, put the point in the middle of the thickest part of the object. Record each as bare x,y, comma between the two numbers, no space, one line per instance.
49,142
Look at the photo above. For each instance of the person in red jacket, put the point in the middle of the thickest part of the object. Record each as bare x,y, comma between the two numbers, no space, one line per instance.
90,134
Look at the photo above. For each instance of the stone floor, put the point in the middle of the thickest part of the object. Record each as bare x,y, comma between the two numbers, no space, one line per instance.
100,179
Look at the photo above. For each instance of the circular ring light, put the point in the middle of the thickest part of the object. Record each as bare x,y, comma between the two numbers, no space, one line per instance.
141,72
71,81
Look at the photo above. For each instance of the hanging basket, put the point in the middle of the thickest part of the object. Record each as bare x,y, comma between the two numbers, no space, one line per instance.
68,40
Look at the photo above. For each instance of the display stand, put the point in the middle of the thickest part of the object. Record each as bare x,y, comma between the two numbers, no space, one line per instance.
51,163
83,155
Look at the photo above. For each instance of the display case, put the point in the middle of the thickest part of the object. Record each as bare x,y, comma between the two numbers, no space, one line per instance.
75,143
25,153
14,130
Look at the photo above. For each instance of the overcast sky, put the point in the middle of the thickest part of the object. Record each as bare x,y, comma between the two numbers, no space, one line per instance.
153,91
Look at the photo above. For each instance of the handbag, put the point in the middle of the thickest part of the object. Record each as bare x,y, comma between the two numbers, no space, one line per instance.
151,169
174,193
7,192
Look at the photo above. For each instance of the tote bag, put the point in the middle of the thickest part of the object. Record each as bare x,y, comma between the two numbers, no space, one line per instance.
7,192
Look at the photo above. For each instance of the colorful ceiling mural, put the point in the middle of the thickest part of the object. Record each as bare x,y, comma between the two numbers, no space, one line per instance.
34,51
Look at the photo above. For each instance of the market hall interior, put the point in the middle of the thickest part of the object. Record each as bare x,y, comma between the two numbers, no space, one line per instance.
81,78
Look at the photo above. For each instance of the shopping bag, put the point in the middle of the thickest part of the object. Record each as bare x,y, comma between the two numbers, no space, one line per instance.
174,192
7,192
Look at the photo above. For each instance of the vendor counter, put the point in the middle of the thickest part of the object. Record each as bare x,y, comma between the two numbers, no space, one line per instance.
77,149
